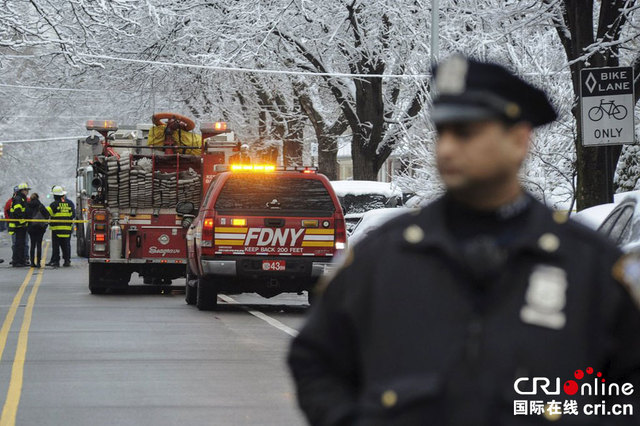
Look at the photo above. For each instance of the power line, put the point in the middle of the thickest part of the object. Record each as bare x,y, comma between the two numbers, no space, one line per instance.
49,116
66,138
254,70
66,89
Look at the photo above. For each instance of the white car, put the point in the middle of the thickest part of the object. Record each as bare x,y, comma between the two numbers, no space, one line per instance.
359,196
372,220
622,224
593,216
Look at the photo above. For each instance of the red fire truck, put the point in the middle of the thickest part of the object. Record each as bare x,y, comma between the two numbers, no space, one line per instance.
132,223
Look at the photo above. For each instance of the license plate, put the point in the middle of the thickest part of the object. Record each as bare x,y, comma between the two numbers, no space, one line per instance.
273,265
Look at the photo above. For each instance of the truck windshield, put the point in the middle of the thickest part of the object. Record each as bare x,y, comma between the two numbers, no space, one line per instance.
273,194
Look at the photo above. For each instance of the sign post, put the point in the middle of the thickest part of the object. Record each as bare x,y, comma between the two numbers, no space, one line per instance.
606,106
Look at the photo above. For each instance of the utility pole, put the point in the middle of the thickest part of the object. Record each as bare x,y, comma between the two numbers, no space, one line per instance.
435,30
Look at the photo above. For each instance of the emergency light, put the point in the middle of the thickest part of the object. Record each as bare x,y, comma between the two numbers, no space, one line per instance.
102,125
261,168
217,127
238,222
252,168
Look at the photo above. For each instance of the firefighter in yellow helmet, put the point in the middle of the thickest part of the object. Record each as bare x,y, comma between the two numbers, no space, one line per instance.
61,209
18,227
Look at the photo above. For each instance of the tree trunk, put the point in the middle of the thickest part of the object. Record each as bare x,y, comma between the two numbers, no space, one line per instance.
326,135
328,156
368,133
262,125
292,144
364,164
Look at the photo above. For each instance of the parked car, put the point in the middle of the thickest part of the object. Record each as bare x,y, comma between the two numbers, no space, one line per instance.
622,225
372,220
416,201
593,216
359,196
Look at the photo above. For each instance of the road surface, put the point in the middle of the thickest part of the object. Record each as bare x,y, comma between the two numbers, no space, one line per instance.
140,358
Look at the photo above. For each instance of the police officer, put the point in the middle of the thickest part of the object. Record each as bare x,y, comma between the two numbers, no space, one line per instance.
60,209
18,228
449,315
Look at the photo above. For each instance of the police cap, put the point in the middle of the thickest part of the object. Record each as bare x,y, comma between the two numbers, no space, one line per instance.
468,90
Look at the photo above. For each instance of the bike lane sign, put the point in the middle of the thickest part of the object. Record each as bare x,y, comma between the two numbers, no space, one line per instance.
606,103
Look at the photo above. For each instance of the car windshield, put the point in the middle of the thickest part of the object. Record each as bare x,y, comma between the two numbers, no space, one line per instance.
273,194
371,221
364,202
617,224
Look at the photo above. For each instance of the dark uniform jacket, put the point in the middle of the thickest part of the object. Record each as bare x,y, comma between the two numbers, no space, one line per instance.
18,211
408,333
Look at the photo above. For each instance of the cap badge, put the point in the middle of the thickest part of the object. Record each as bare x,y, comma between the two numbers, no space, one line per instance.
512,110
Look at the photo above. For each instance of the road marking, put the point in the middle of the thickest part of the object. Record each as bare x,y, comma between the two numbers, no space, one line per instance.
266,318
10,409
8,321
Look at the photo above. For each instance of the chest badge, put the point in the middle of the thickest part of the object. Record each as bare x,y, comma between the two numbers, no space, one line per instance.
546,298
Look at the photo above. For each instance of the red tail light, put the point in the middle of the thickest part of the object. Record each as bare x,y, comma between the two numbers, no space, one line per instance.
99,222
206,242
341,233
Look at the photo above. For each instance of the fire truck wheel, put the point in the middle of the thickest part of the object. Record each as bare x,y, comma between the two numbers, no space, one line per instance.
187,123
206,295
81,243
190,294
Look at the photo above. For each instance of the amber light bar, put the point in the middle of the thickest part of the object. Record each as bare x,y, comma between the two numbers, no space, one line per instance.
102,125
252,168
217,127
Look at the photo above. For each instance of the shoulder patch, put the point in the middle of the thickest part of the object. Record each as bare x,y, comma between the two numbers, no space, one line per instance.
627,271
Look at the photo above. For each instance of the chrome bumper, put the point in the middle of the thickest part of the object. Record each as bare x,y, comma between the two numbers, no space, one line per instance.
219,267
318,269
228,268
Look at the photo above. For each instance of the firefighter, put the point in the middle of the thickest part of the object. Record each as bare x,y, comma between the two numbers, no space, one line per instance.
7,209
449,315
242,157
60,209
18,228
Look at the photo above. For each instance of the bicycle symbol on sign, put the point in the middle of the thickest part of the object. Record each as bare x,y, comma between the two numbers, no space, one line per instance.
619,112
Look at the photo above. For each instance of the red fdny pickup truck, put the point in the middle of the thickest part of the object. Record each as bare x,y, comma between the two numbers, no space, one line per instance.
262,229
